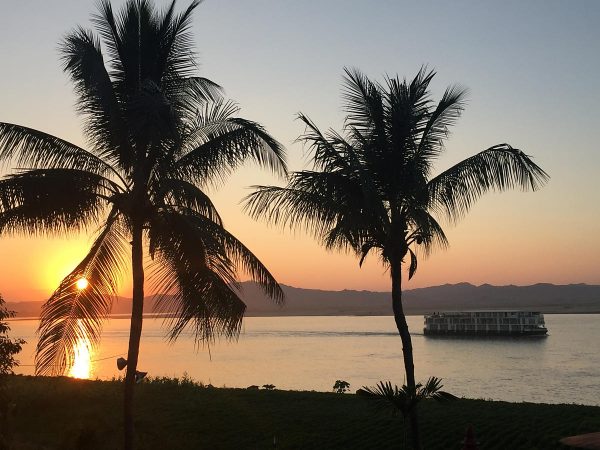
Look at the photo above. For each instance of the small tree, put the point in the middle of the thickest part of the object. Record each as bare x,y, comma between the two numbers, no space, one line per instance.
341,386
8,347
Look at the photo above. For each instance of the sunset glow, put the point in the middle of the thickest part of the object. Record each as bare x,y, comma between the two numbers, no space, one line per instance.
224,223
510,106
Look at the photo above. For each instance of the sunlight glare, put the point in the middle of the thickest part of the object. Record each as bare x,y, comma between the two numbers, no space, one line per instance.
82,283
82,360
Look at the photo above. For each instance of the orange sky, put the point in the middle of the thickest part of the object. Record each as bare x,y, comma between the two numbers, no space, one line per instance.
535,88
487,247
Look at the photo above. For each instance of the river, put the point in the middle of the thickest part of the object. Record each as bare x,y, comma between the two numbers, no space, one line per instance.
311,353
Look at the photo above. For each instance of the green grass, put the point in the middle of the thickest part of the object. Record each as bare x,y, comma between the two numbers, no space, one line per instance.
61,413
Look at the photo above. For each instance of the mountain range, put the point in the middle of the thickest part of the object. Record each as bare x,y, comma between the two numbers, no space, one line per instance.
546,298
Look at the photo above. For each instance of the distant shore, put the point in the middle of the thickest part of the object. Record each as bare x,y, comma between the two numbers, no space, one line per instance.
412,314
543,297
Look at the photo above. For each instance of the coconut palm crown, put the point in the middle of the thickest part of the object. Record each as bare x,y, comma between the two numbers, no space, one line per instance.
158,135
374,189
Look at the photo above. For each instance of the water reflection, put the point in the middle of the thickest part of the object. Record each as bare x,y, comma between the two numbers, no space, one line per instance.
82,359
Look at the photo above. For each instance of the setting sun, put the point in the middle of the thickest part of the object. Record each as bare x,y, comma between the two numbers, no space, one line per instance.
82,283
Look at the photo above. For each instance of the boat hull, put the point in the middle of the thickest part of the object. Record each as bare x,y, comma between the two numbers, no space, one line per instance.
539,333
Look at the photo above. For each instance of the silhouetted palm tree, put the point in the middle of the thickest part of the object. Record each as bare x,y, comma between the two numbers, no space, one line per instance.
373,189
158,135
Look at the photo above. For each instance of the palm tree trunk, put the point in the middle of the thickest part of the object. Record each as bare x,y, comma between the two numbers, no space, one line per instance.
135,332
407,350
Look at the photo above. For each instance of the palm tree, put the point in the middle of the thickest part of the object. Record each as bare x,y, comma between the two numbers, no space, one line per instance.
158,136
373,189
405,399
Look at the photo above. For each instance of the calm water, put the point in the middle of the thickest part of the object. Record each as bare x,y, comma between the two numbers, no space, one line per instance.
310,353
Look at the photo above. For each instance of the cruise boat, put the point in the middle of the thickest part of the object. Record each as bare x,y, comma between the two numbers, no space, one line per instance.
485,323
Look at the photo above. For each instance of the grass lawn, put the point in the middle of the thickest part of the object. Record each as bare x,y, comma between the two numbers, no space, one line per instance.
62,413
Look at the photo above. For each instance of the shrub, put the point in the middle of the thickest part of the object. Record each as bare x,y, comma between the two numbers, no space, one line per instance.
341,386
8,347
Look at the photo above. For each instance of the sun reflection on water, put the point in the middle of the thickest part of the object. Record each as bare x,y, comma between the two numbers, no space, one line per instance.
82,358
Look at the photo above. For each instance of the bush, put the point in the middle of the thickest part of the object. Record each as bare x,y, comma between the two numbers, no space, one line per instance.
8,347
341,386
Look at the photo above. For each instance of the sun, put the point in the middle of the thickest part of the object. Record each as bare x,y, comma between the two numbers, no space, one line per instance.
82,283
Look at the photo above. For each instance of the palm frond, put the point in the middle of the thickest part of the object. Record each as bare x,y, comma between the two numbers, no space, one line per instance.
194,278
349,235
295,207
498,168
405,399
361,215
131,39
71,316
146,44
105,124
50,201
215,243
181,195
176,56
207,121
406,108
363,104
110,27
365,249
242,257
387,397
446,113
412,268
329,152
26,147
201,302
425,231
433,389
189,95
219,146
418,89
335,207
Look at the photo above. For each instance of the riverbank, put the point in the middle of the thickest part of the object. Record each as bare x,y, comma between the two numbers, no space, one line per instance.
52,413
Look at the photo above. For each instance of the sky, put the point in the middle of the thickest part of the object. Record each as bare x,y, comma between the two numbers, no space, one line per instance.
531,67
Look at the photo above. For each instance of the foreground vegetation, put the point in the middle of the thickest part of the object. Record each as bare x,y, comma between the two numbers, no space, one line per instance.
76,414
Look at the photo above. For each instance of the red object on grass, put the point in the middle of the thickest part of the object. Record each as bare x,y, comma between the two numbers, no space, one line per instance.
589,440
470,443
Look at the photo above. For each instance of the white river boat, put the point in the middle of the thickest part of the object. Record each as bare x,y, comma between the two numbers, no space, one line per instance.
485,323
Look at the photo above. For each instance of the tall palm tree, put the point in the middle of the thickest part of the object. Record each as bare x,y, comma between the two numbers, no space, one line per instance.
158,136
374,190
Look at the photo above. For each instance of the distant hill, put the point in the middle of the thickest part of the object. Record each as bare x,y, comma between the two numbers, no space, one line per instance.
547,298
